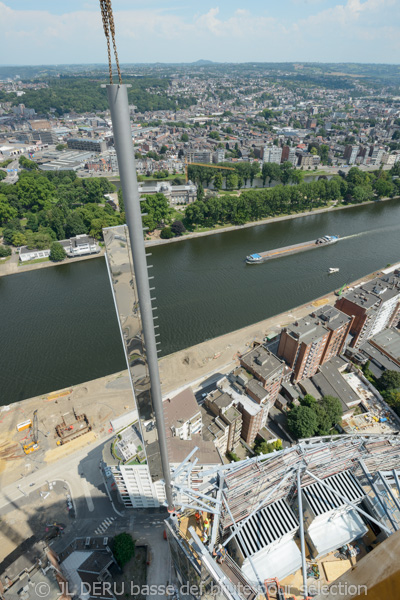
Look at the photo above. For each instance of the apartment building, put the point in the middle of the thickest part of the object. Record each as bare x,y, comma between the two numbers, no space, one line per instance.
306,159
376,154
375,306
182,415
350,154
302,346
313,340
227,419
252,418
219,155
87,144
339,325
46,136
289,155
199,156
134,482
272,154
265,367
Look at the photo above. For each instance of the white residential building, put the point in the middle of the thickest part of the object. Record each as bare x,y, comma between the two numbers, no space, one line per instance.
272,154
75,246
182,415
134,482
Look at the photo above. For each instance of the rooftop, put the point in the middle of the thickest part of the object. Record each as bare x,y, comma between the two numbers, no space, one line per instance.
262,361
375,291
307,330
388,341
180,409
375,354
331,317
331,383
179,449
257,389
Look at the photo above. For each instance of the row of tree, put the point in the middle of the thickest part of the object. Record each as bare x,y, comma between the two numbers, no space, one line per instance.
253,205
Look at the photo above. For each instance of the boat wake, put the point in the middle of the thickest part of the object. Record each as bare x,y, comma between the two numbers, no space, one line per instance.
362,233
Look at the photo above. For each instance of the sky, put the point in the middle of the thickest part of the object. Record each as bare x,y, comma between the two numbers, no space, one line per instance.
55,32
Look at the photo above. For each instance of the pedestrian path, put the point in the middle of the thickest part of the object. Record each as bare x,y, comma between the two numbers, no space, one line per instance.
104,525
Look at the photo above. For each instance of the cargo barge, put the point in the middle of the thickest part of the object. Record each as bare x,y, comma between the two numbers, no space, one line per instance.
327,240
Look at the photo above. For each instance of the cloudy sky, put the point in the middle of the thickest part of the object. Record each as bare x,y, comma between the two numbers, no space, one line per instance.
56,32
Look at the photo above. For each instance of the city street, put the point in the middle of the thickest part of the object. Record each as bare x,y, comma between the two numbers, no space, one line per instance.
41,498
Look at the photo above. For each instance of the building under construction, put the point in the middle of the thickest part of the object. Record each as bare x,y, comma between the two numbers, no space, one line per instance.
275,514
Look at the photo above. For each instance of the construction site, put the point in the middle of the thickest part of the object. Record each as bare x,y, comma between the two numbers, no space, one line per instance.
46,428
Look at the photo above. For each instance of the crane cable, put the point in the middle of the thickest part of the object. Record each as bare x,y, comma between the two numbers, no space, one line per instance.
109,27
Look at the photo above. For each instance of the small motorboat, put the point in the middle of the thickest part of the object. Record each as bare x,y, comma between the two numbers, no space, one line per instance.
333,270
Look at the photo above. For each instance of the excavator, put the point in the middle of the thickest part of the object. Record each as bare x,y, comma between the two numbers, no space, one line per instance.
33,444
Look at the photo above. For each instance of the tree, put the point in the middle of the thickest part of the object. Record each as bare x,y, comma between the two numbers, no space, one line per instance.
57,252
7,212
157,208
74,225
392,397
178,228
383,188
286,170
61,147
167,233
232,181
200,192
184,137
27,164
390,380
323,151
218,181
8,236
296,177
263,447
123,548
329,413
18,239
214,135
5,251
309,401
163,149
362,193
302,422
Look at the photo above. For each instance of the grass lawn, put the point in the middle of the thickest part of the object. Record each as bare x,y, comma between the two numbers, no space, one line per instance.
31,262
4,260
176,215
134,574
152,178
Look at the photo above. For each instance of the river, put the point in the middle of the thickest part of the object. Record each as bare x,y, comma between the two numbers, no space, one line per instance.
58,325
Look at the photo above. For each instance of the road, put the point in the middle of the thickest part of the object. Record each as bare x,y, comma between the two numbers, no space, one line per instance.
79,475
81,472
12,176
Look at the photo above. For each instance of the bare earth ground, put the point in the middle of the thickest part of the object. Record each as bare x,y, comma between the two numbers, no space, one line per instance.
101,400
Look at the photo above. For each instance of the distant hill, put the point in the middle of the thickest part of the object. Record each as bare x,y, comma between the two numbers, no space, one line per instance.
203,62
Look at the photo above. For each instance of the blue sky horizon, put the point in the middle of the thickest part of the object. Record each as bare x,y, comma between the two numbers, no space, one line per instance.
45,32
